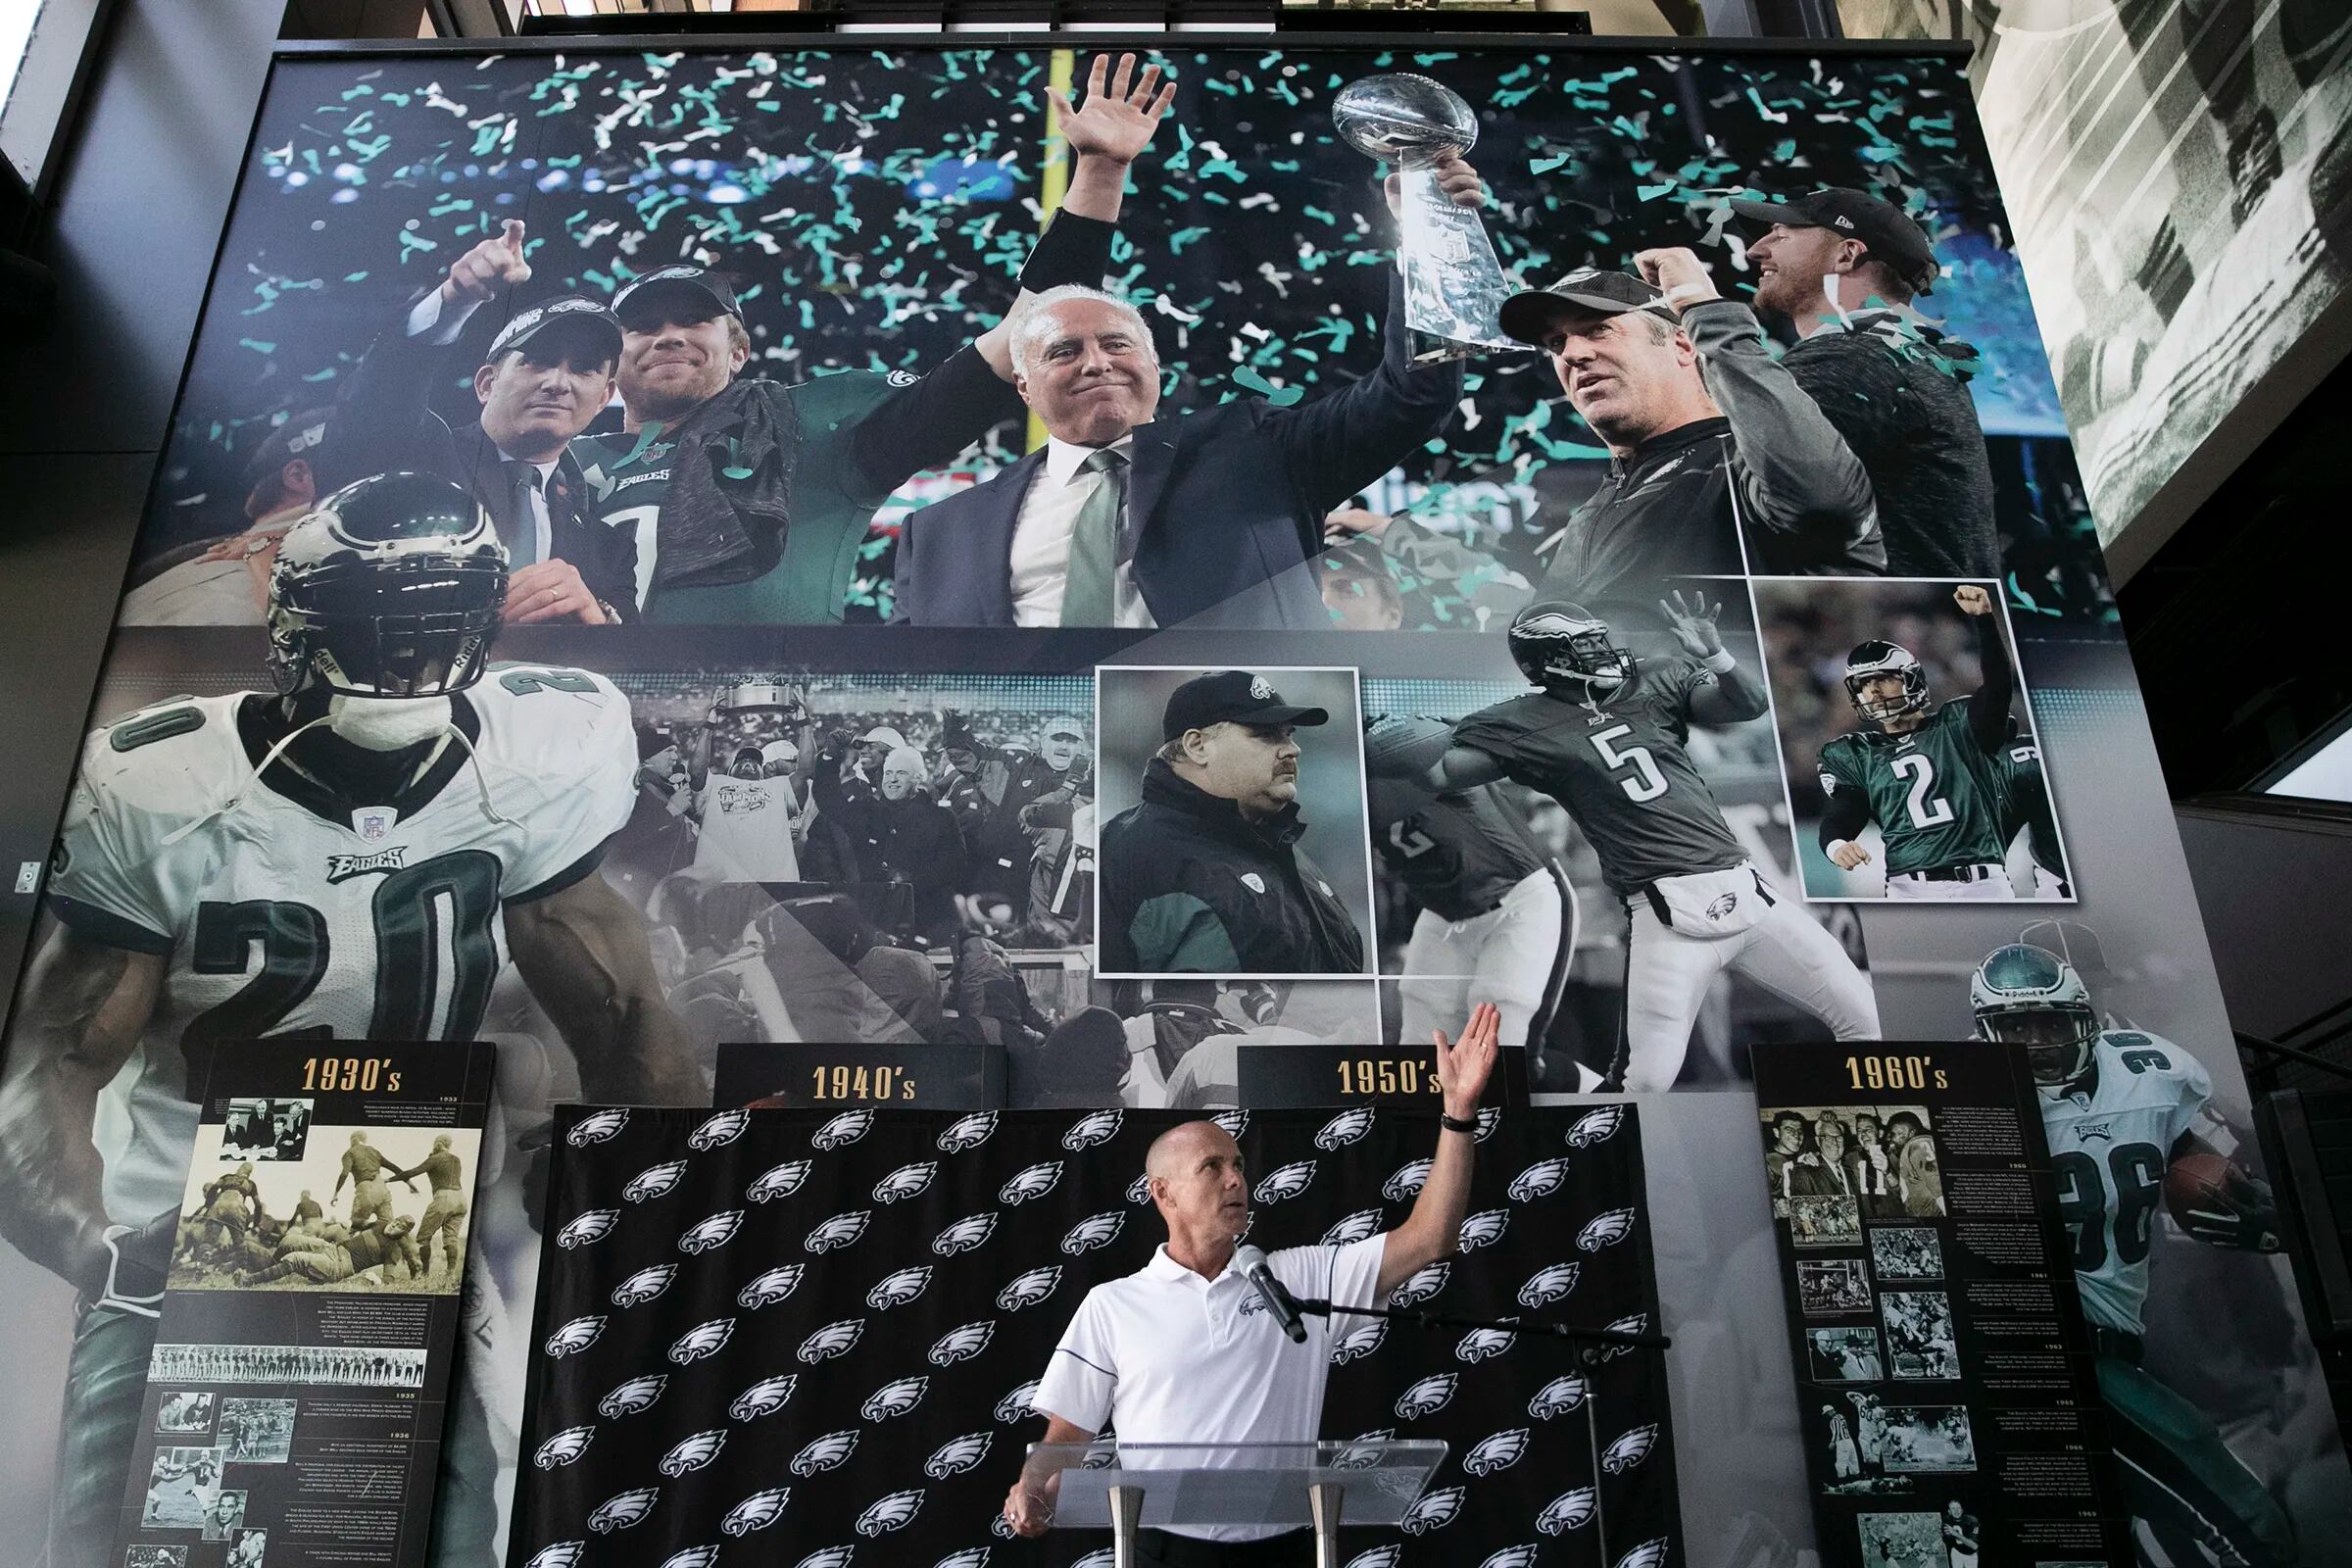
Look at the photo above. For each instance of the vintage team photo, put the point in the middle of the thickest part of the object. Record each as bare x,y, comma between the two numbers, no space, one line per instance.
364,1209
1909,742
1233,838
1880,1158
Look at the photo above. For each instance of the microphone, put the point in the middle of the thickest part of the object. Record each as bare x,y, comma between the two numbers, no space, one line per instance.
1252,1261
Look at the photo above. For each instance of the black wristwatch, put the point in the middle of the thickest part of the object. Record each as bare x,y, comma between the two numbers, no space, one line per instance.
1457,1124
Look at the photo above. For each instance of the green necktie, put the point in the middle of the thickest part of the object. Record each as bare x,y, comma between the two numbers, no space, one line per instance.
1090,595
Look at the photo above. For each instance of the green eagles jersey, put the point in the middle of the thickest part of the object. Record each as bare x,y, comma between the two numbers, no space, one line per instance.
1620,773
832,506
1939,797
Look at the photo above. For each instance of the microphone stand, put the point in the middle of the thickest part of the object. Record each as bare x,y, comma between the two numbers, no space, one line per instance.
1593,1347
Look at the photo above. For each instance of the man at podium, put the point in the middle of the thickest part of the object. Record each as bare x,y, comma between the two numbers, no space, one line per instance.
1187,1350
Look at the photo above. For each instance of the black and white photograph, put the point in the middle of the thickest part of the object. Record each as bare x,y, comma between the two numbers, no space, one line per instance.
187,1410
226,1515
1843,1356
1929,1440
1902,1539
1920,1340
1882,1157
1905,1252
181,1487
257,1431
1233,840
1825,1221
1833,1287
265,1129
1909,744
361,1209
246,1549
153,1556
358,1366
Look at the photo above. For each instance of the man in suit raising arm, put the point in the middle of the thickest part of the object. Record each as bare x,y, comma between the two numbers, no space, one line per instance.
1125,517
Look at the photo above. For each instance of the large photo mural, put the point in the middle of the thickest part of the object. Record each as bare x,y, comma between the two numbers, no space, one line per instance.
1061,555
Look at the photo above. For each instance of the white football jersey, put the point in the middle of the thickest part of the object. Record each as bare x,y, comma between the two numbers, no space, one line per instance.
285,913
747,829
2110,1144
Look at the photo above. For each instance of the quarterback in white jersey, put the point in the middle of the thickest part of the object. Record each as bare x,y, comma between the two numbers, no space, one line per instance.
2119,1106
356,856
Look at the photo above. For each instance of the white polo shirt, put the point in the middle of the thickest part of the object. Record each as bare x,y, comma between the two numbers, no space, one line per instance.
1164,1356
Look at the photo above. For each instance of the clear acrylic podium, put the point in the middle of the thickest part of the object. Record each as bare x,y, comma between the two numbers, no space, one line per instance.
1126,1487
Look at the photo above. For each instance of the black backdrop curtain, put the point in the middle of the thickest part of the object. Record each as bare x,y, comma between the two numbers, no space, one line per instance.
787,1338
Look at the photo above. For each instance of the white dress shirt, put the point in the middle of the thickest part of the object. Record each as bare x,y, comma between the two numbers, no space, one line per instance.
1041,538
1164,1356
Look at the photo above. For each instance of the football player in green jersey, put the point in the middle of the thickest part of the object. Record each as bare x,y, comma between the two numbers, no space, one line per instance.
2119,1107
1932,777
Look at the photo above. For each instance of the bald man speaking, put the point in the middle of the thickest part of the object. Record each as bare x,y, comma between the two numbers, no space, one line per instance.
1184,1350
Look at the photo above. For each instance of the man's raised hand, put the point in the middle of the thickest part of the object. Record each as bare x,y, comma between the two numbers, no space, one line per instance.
491,266
1455,178
1971,600
1676,271
1695,624
1116,123
1463,1065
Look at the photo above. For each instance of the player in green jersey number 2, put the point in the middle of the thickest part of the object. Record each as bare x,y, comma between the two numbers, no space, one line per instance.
1932,778
2121,1108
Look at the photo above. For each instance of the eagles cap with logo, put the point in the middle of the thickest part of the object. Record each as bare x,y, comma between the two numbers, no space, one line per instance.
1230,697
1889,232
705,287
301,434
1526,313
574,313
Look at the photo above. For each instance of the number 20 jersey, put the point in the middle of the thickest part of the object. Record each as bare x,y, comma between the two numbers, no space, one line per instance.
288,917
2109,1146
1622,772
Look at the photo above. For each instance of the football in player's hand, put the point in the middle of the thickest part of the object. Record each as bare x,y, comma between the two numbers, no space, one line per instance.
2220,1203
1405,747
2197,1181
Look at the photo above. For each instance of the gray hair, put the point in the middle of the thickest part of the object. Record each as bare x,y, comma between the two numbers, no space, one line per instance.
1033,321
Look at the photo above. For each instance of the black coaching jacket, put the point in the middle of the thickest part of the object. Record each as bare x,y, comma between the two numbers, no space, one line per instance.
1189,887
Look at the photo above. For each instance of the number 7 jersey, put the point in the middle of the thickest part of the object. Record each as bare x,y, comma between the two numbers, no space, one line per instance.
1620,771
2110,1146
284,909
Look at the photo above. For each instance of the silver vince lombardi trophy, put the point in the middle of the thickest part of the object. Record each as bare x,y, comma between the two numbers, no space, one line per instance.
1453,286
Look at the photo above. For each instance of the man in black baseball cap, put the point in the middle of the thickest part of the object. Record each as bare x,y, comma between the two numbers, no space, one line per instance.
547,374
1203,875
1710,441
1842,266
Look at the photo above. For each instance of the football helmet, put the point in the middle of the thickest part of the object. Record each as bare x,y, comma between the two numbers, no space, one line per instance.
1874,659
390,587
2029,995
1559,645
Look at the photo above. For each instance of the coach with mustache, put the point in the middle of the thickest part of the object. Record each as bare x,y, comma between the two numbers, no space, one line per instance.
1182,1351
1203,875
1130,516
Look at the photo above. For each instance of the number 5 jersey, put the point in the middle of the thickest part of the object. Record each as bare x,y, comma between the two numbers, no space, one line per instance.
287,909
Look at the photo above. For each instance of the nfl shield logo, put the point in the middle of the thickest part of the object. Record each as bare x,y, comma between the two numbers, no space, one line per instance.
372,824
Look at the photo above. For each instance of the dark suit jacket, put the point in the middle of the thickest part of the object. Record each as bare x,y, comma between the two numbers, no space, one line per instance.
1225,506
383,423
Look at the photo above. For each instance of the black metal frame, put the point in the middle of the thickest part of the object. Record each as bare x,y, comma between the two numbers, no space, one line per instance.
1358,36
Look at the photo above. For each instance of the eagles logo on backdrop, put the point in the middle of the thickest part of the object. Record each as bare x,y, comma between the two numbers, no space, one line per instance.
654,1422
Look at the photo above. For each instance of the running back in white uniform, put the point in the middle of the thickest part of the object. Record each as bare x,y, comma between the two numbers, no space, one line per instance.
2111,1138
378,922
